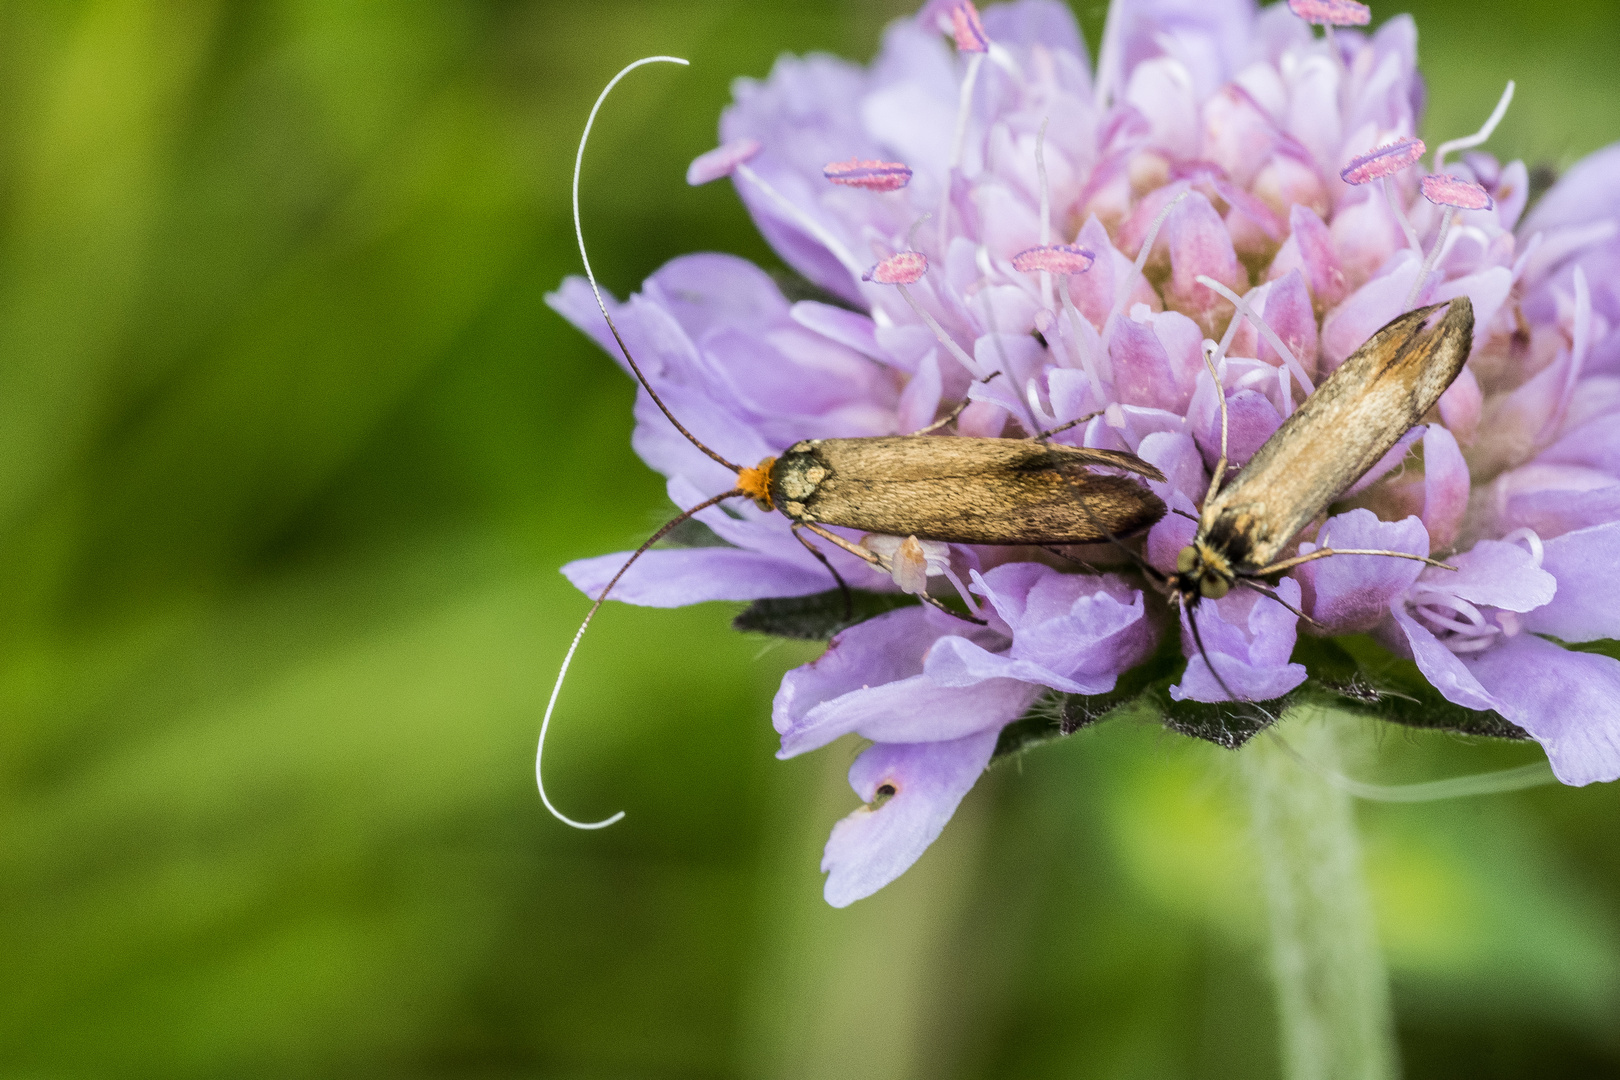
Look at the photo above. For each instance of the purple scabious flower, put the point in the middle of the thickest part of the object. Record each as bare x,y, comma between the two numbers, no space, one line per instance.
979,201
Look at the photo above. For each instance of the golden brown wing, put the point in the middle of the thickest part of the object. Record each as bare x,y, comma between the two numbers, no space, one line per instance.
1341,431
968,491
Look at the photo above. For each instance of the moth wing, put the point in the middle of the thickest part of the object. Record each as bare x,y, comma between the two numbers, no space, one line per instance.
981,491
1342,430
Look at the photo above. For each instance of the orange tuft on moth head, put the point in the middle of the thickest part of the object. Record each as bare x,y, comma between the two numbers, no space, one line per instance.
756,483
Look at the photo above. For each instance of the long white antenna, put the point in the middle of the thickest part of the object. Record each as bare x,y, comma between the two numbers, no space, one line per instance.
590,275
579,160
556,688
540,748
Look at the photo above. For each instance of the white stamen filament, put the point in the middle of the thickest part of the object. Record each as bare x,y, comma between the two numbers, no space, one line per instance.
983,285
1433,257
1088,362
1122,289
1005,60
1153,231
1395,207
1045,206
939,332
987,269
1431,596
1245,311
1474,632
1469,141
964,109
961,589
1254,378
1226,341
1580,340
1032,394
1467,629
1332,42
1581,337
804,221
1531,539
911,233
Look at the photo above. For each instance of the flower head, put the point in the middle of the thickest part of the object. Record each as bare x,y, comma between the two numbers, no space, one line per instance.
1072,248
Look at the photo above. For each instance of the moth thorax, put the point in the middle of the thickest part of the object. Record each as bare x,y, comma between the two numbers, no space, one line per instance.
756,482
798,474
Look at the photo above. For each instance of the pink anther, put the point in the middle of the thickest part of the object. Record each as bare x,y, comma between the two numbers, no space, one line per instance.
901,269
872,175
1060,259
1384,161
721,161
1455,191
967,29
1332,12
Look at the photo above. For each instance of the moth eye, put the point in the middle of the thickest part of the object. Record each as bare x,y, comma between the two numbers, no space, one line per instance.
1214,587
1187,561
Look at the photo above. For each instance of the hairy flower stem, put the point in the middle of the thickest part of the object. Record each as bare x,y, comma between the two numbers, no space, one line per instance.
1332,988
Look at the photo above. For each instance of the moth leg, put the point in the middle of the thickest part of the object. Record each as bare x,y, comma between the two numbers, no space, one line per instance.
1272,594
1198,640
1286,564
1183,513
843,586
1270,718
1157,578
1219,474
1049,432
856,550
953,414
1066,557
935,602
876,560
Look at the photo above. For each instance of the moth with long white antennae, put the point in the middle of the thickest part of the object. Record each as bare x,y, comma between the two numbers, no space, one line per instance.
952,490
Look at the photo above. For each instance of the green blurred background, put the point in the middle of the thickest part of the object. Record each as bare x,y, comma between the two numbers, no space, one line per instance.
290,452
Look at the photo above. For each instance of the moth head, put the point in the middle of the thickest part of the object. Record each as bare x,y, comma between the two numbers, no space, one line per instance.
1201,571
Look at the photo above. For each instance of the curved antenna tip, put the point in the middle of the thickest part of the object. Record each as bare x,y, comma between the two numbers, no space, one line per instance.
545,724
573,647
